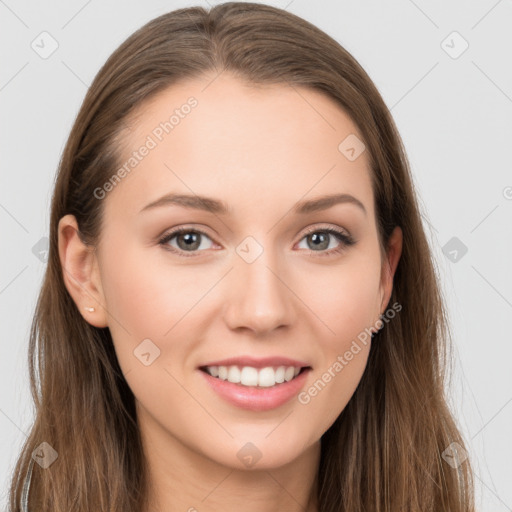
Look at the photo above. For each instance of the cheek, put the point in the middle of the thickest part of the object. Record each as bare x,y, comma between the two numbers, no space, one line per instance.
149,298
345,298
332,386
346,301
147,295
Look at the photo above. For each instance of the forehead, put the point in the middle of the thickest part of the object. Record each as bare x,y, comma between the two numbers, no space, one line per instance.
248,145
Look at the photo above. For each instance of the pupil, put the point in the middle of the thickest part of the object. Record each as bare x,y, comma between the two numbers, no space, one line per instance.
322,238
191,240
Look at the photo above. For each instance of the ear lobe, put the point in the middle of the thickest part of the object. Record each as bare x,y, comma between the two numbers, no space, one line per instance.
393,253
81,273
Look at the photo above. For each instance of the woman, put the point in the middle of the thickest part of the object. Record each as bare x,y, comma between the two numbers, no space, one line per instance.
240,309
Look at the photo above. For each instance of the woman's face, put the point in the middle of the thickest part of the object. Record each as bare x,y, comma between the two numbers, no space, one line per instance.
256,280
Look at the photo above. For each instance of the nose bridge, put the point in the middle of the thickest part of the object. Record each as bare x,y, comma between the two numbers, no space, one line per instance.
260,299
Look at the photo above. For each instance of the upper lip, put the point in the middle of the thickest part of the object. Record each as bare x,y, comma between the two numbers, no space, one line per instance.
257,362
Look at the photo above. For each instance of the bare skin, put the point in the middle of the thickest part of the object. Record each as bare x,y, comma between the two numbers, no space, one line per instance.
260,150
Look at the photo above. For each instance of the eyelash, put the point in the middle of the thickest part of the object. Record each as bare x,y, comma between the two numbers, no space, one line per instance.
346,240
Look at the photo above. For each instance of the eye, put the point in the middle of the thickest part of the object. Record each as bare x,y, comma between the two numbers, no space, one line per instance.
321,238
187,240
190,241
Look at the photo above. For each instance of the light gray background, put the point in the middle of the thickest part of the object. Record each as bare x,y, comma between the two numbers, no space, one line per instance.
454,115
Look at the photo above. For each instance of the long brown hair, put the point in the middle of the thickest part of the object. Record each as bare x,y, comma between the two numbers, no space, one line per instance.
384,453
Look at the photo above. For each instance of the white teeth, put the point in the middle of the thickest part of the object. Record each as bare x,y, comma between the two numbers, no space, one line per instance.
280,375
266,377
223,372
249,376
234,374
288,374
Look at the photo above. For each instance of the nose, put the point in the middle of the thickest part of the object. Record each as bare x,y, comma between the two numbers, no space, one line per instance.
259,298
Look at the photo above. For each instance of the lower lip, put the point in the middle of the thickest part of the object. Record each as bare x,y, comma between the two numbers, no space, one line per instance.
257,398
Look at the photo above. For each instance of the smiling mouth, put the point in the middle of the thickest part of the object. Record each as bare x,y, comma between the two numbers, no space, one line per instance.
255,377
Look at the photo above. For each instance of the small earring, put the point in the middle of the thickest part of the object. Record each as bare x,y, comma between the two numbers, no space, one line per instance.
91,310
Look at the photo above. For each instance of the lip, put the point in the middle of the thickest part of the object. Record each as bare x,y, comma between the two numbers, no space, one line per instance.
257,362
255,398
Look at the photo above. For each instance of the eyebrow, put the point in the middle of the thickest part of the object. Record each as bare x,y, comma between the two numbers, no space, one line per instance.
215,206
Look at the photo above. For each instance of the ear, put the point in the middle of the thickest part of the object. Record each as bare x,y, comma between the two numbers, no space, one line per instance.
80,272
393,253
